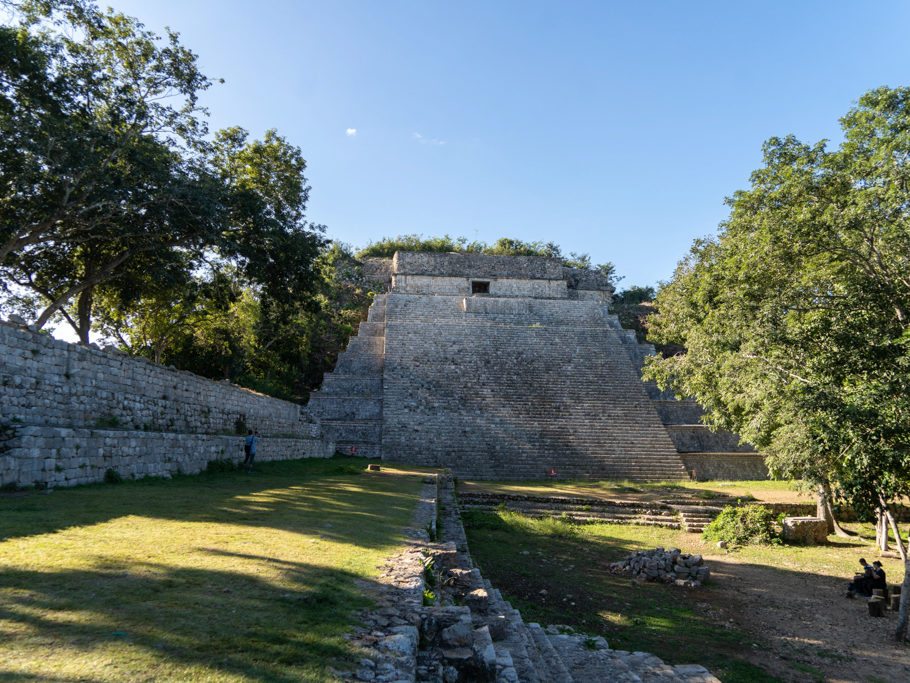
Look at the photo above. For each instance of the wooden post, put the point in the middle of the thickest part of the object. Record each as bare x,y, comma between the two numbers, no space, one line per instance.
876,607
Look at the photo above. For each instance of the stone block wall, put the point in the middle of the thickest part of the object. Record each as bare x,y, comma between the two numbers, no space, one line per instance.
510,388
422,284
377,270
69,412
45,381
726,466
60,456
477,266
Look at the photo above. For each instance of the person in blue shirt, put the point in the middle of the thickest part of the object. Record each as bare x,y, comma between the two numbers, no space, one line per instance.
249,448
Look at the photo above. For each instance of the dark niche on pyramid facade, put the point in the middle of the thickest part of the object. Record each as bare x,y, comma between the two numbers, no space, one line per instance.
511,367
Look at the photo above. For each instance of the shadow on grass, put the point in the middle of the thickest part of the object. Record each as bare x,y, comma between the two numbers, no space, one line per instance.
157,621
310,488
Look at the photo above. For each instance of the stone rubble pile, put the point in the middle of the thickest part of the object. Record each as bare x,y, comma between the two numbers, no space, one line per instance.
669,565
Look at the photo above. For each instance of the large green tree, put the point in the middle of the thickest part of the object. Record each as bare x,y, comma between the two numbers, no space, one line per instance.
109,184
795,317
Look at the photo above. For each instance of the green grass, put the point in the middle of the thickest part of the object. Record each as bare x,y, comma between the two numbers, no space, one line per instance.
556,572
762,489
218,577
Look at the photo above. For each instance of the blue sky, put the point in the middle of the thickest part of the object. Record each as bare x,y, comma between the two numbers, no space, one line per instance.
612,128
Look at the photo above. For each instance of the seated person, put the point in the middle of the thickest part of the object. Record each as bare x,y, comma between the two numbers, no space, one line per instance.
861,584
878,578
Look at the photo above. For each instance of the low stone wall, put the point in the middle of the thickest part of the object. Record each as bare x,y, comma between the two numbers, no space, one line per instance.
69,413
806,530
45,381
480,266
59,456
726,466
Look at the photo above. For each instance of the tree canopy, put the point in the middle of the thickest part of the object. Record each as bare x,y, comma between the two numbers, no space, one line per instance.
795,316
111,186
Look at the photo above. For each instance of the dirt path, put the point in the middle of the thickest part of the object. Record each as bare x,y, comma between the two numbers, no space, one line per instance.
803,624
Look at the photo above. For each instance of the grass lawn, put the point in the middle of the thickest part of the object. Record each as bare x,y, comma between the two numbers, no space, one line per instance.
556,572
216,577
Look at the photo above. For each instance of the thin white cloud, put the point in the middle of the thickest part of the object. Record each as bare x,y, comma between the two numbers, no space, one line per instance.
350,132
427,141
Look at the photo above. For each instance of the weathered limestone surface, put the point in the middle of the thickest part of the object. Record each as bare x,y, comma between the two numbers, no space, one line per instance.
499,388
708,455
48,381
69,412
62,456
807,530
503,366
726,466
530,376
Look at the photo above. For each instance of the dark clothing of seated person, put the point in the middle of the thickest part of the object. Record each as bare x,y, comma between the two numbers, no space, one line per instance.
862,583
878,578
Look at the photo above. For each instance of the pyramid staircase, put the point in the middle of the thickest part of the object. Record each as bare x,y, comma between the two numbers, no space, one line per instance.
349,405
559,411
576,508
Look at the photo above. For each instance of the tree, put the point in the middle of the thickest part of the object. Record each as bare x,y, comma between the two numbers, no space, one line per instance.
90,159
109,181
794,317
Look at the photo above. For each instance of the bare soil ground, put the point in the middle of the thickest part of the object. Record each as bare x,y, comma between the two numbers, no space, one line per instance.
804,627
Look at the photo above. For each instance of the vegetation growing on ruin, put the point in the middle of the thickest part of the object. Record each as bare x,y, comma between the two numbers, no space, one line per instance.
504,246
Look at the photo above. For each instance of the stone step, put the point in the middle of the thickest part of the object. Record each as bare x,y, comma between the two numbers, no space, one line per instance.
376,313
354,363
555,668
363,431
679,412
371,329
361,450
344,384
696,517
591,659
368,345
333,407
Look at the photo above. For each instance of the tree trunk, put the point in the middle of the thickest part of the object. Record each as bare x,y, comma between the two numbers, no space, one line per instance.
897,535
84,313
900,632
824,511
821,508
881,530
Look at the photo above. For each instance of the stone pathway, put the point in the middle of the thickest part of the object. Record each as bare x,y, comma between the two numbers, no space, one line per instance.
471,633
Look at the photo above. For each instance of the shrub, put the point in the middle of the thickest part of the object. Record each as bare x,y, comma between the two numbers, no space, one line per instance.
750,524
112,476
